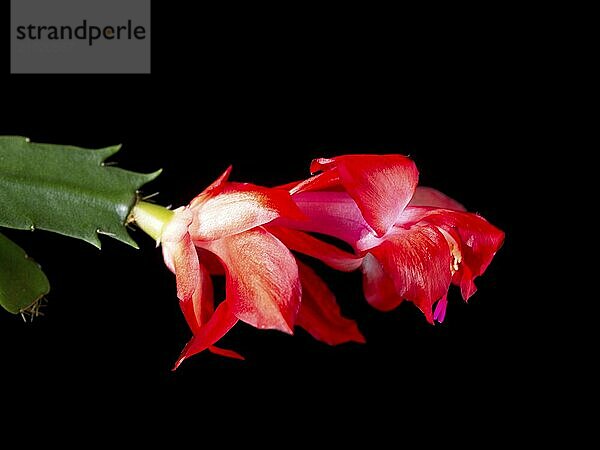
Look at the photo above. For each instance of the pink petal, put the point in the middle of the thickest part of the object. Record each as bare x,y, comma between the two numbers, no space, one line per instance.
180,254
311,246
426,196
381,185
235,207
262,279
378,287
331,213
418,262
218,325
320,314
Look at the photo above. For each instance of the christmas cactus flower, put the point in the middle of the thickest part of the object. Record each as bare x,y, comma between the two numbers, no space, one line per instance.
410,243
223,231
413,242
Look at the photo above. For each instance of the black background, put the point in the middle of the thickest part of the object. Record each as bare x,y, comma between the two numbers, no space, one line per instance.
267,91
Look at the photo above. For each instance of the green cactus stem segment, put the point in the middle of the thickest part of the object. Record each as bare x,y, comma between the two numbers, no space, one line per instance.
151,218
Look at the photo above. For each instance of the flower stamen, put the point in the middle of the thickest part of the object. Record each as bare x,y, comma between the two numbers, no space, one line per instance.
454,252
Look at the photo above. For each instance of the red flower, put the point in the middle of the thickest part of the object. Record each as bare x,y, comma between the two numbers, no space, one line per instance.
223,231
412,242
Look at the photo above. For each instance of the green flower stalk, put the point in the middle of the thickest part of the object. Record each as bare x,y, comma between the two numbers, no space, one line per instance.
151,218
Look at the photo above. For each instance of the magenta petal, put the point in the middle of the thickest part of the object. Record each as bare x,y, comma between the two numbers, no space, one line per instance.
262,279
320,314
331,213
218,325
440,309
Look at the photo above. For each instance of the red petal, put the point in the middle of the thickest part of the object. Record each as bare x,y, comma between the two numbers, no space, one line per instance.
328,180
236,207
379,288
466,283
479,241
320,314
198,308
224,352
218,325
381,185
289,186
311,246
323,164
418,261
212,263
426,196
214,188
262,279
